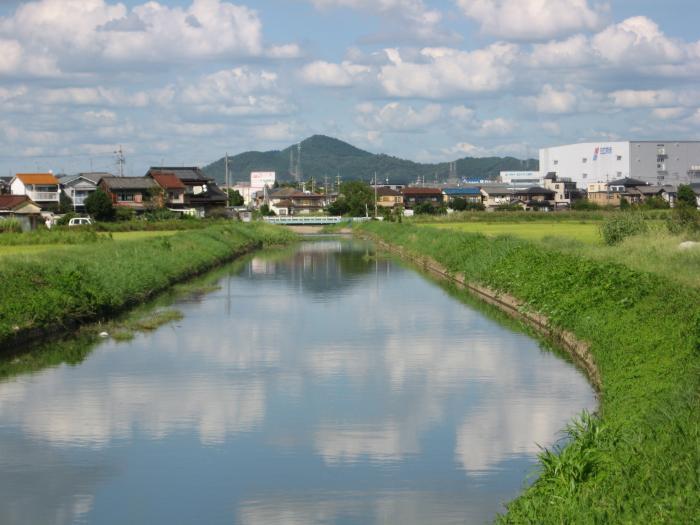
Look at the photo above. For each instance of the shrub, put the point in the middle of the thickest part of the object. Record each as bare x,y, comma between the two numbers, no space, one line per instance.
99,205
458,204
686,196
584,205
65,219
618,227
122,213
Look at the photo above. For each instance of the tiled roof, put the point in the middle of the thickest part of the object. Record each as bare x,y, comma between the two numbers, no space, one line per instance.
168,181
627,182
37,178
462,191
421,191
129,183
10,202
182,173
387,192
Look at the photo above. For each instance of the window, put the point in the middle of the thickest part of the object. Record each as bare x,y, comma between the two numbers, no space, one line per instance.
584,160
585,175
619,174
125,196
619,157
556,162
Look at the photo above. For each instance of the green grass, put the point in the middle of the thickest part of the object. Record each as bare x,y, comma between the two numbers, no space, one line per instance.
582,231
89,281
638,459
138,235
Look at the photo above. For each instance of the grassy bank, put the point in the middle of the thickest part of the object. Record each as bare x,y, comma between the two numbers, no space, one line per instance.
638,461
96,279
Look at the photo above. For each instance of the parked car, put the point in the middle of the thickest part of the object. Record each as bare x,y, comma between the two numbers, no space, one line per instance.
79,221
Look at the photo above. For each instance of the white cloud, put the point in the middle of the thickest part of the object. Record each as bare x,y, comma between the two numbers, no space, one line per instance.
669,113
630,98
277,132
637,40
533,19
328,74
398,117
497,126
462,114
567,99
570,53
43,36
445,71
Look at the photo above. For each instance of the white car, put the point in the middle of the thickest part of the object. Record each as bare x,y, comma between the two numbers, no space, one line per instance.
80,221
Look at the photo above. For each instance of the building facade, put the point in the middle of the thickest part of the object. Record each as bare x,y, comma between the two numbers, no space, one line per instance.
654,162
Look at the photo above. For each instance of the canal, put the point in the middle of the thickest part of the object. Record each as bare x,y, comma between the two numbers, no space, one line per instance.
319,384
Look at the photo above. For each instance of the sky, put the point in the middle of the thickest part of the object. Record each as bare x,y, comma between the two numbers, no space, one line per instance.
182,82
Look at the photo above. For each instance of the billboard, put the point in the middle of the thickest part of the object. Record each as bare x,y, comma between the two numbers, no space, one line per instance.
260,179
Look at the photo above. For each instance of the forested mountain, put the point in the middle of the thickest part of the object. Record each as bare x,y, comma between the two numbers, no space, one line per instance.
323,156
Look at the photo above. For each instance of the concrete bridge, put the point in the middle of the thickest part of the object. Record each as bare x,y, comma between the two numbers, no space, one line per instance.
310,220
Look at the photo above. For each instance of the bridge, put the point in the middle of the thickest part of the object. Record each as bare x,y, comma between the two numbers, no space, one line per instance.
311,220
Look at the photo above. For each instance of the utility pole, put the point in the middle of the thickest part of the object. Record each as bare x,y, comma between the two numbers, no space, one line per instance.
120,160
337,183
228,191
375,194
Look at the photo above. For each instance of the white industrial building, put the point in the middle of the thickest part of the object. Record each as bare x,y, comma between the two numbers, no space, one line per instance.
655,162
520,180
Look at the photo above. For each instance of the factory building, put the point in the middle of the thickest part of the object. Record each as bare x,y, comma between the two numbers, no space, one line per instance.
654,162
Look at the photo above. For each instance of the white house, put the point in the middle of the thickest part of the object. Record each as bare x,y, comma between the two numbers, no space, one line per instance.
42,188
79,187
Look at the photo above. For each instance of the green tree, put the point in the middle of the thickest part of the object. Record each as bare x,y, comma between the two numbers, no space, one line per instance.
425,208
235,198
99,205
458,204
356,198
686,196
65,203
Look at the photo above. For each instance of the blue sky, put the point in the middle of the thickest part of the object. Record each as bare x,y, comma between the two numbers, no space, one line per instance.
183,81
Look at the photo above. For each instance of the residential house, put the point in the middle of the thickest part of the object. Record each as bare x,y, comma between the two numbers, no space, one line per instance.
413,196
536,198
22,209
79,187
696,189
471,194
565,191
5,185
173,190
495,195
388,197
291,201
612,193
131,192
201,191
41,188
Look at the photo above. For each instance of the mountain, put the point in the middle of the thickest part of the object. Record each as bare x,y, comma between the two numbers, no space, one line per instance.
323,156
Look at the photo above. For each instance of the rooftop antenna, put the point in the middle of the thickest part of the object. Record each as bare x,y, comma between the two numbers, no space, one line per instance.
120,161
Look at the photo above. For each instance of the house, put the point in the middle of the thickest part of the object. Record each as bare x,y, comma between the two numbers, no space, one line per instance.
536,198
612,193
5,185
291,201
173,194
565,191
471,194
131,192
388,197
696,188
495,195
201,191
413,196
22,209
41,188
79,187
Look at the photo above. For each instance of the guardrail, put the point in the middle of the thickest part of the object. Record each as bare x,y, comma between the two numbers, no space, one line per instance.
301,219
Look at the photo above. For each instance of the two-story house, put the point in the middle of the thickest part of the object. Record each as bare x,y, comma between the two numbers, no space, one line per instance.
41,188
131,192
201,191
173,189
388,197
79,187
413,196
495,195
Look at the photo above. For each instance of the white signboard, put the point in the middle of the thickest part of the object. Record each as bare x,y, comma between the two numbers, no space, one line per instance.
260,179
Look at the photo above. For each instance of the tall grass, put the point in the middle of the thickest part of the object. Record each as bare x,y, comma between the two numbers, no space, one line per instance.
638,461
94,280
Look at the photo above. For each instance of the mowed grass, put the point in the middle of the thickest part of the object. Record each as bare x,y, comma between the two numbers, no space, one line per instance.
586,232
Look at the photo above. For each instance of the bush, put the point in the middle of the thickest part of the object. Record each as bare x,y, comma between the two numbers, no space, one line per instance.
65,219
683,219
584,205
427,208
655,202
618,227
122,213
686,196
458,204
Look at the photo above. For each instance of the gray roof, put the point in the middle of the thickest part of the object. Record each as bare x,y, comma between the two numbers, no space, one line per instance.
495,188
129,183
183,172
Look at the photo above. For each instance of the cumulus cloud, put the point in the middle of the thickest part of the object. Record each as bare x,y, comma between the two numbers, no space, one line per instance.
446,71
533,19
322,73
398,117
563,100
636,40
76,35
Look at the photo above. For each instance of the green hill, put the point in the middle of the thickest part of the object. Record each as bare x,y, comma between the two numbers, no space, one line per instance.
323,156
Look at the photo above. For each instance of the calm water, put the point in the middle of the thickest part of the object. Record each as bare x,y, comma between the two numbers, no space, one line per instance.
317,385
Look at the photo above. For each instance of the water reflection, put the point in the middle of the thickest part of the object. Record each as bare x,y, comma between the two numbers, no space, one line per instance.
317,385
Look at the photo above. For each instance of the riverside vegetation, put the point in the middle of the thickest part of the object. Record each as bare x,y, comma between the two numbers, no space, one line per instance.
638,459
89,281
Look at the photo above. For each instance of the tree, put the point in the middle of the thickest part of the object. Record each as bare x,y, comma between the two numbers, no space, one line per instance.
358,197
458,204
235,198
99,205
686,196
425,208
65,203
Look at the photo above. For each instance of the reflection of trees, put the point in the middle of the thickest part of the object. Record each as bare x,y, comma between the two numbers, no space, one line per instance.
70,351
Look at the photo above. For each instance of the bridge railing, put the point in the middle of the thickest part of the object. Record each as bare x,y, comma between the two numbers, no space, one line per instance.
302,219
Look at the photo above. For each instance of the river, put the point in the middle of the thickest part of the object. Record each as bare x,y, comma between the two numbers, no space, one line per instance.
320,384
